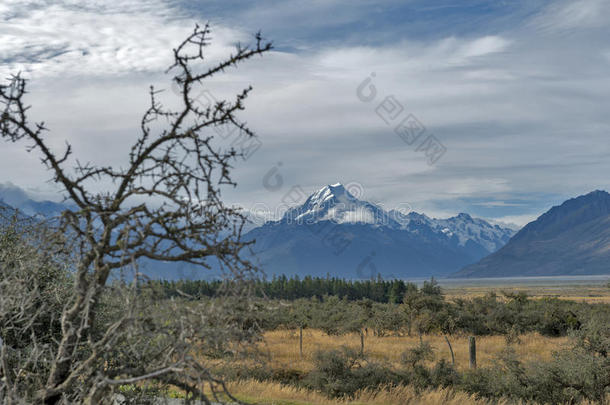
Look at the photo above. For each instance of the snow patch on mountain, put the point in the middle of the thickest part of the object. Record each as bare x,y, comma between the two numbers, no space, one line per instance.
466,228
334,203
463,227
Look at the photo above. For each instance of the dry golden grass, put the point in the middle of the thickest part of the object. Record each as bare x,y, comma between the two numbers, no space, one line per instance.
277,394
580,293
269,393
282,347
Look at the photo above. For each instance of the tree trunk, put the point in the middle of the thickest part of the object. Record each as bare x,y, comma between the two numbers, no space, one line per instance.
87,295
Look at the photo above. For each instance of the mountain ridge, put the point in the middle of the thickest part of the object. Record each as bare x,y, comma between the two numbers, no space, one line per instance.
572,238
334,232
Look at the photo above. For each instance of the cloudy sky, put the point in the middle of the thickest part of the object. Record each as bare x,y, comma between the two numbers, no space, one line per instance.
515,91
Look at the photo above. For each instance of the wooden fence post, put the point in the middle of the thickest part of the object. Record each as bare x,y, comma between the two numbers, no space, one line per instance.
301,341
361,343
473,352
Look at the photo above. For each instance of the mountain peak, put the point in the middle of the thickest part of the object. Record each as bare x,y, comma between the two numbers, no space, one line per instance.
595,195
599,192
570,213
331,190
334,202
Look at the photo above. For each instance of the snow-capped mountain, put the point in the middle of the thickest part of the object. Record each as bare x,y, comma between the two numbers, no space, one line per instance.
335,233
462,226
334,203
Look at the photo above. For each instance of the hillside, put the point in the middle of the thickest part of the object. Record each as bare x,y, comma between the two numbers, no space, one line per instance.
570,239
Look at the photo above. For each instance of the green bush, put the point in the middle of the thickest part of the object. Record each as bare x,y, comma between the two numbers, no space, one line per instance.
573,376
417,355
444,375
342,372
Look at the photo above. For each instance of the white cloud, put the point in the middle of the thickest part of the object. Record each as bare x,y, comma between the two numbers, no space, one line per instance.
491,204
516,221
95,37
483,46
574,14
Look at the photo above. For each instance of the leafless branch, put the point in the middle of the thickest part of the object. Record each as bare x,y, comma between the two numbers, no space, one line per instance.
165,205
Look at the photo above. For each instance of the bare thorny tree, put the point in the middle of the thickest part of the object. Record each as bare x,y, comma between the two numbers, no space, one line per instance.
165,205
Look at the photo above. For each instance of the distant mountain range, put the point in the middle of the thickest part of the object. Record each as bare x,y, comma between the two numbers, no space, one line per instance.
570,239
13,196
335,233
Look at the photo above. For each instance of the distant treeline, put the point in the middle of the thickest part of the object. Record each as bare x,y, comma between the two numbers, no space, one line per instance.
282,287
338,306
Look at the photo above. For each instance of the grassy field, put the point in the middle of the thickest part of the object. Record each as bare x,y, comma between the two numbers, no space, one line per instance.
282,347
282,350
599,293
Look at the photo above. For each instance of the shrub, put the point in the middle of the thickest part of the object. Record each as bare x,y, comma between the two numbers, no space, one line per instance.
444,375
343,372
417,355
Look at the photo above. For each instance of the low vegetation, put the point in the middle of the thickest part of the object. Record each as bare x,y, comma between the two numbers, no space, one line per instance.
530,369
397,307
354,350
543,350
